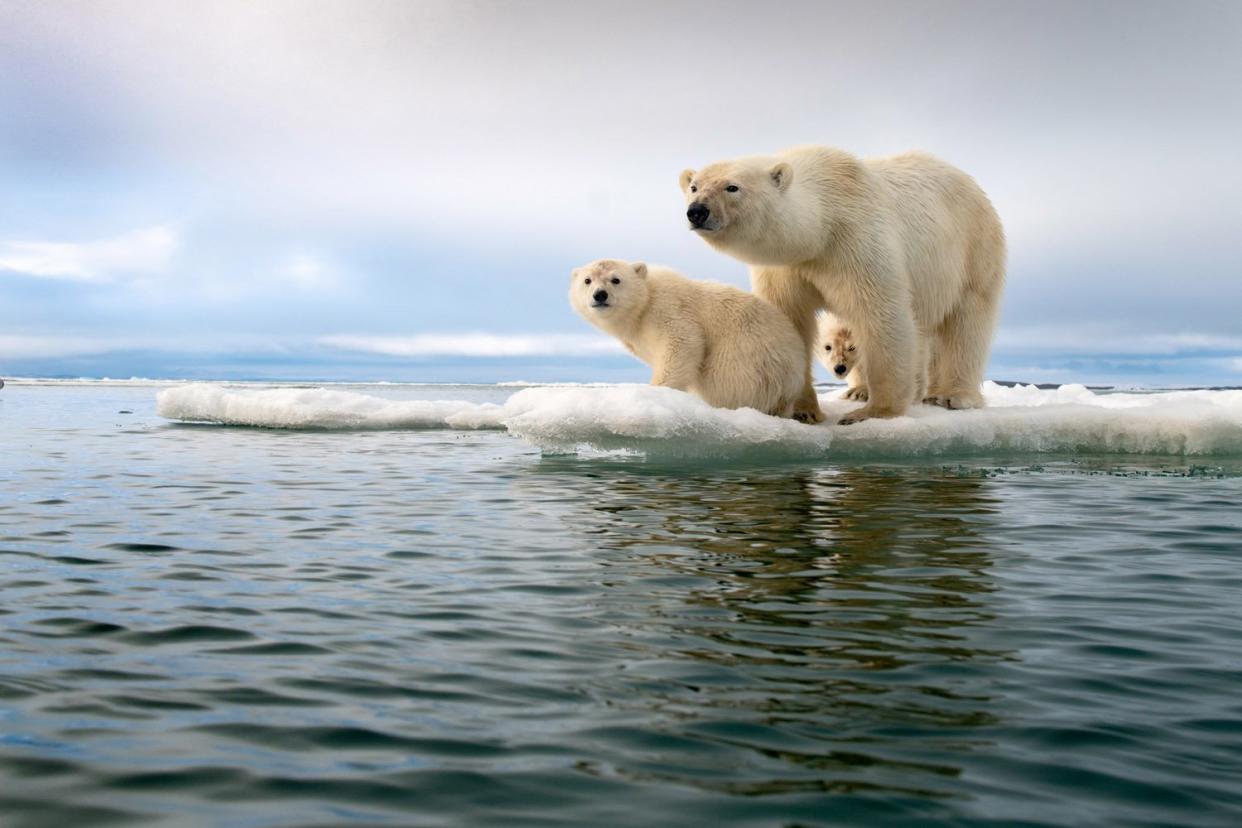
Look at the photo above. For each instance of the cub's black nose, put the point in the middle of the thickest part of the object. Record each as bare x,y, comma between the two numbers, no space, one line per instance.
698,213
600,296
840,369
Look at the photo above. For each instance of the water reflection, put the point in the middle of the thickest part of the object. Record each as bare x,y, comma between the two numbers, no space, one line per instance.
821,618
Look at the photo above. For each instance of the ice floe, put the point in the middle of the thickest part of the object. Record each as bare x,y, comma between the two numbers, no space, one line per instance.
664,422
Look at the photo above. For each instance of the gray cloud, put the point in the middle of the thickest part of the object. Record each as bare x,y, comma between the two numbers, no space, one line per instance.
1106,132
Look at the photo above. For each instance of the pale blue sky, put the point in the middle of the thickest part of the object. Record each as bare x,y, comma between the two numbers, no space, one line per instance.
398,190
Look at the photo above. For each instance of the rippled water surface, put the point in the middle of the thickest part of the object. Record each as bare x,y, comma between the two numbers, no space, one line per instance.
203,625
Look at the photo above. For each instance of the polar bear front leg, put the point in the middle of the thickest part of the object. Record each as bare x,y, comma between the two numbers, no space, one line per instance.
679,361
670,375
857,381
798,299
889,341
922,367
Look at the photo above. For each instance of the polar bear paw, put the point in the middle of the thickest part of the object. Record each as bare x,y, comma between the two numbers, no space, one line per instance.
867,412
955,401
808,416
858,392
854,417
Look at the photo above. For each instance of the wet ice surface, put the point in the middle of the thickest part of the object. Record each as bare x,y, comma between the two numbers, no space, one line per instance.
661,422
237,626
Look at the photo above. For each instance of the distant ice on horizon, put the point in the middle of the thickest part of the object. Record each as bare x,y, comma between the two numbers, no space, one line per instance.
666,423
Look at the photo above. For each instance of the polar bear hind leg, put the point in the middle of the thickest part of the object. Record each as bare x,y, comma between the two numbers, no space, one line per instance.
961,344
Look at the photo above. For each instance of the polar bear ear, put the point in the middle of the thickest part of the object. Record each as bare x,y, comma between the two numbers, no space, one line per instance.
640,269
782,176
686,177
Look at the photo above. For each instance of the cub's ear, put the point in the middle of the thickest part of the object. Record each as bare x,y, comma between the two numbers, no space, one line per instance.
640,269
782,176
686,177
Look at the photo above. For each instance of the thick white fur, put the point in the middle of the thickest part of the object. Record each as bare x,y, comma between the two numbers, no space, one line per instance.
892,245
726,346
838,351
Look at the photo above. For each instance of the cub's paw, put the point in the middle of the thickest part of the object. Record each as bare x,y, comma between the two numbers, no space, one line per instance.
808,416
954,402
857,393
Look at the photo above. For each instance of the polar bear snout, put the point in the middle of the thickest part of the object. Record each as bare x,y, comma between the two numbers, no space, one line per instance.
698,213
601,298
840,370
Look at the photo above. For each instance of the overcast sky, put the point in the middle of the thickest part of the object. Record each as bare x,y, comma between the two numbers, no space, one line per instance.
329,182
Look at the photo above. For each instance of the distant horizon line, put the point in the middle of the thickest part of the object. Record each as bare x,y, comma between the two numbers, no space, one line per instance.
518,383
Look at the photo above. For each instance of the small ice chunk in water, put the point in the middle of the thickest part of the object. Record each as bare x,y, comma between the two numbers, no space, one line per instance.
307,408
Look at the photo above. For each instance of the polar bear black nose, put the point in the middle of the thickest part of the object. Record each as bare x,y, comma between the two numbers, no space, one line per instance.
600,296
698,213
840,369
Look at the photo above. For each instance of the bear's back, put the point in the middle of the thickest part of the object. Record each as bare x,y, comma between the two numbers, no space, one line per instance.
718,308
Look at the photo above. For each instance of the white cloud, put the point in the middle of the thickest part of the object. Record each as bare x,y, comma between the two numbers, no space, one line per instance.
37,347
1078,341
307,273
476,345
53,346
142,251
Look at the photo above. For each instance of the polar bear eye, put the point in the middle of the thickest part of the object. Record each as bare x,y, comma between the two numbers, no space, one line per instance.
694,188
615,280
588,281
851,347
732,188
827,347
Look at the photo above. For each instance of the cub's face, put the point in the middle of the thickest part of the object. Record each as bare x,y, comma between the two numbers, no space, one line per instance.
837,349
731,199
607,291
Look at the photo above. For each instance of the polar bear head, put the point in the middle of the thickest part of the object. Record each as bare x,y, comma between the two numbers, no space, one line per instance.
837,349
609,293
743,207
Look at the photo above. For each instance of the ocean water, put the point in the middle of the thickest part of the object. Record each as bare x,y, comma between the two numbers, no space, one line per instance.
571,608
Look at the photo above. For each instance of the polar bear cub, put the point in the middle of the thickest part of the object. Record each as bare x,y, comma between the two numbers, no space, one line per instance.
837,350
722,344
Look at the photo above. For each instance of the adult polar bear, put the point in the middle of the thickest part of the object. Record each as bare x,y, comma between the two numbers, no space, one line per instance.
901,247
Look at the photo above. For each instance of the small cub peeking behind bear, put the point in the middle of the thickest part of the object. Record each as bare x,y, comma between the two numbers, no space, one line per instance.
727,347
838,351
